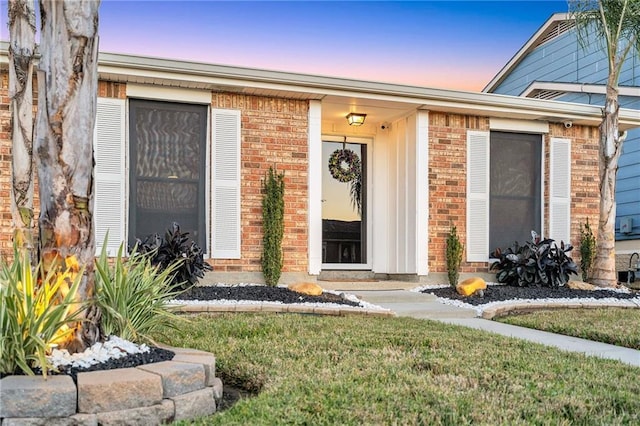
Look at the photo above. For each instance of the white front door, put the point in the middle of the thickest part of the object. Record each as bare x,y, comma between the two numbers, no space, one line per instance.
346,225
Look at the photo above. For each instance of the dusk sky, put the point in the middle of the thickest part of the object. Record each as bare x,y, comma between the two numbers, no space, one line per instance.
444,44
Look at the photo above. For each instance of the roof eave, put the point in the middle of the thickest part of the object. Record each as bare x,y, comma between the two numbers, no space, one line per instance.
473,103
172,72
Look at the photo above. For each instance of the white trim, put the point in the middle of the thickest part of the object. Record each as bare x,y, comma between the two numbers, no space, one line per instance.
543,225
520,126
169,94
217,77
422,193
114,207
209,77
597,89
208,187
560,190
477,246
314,179
628,246
226,220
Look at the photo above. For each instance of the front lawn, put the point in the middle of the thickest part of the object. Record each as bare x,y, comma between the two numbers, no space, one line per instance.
616,326
363,370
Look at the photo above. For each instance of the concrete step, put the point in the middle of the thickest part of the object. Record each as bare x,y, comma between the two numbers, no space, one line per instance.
349,276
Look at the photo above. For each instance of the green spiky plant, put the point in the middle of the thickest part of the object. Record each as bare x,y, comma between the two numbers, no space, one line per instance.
454,256
273,226
132,294
37,311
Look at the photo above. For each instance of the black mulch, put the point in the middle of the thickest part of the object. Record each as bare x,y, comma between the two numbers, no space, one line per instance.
130,360
498,293
260,293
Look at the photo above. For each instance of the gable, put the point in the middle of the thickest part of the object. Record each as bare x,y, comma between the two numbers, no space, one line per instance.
556,56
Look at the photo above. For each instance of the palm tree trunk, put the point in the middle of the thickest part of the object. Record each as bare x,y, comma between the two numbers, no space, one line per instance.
22,30
604,266
67,90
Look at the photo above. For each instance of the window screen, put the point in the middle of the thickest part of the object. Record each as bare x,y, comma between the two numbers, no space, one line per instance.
515,188
167,169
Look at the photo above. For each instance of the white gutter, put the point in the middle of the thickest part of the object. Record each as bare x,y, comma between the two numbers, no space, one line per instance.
173,72
319,86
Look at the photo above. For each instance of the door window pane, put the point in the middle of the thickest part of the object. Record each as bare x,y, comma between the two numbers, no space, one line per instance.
167,170
344,209
515,188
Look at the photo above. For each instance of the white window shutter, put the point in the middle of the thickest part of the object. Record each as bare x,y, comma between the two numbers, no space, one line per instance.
560,190
225,211
477,196
109,174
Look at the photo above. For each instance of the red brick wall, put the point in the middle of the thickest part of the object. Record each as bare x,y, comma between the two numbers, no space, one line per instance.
448,181
274,132
110,89
448,184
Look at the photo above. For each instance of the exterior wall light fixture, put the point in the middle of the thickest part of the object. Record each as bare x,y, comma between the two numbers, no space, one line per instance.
355,119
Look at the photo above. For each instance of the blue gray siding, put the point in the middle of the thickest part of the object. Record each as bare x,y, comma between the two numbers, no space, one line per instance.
628,185
563,60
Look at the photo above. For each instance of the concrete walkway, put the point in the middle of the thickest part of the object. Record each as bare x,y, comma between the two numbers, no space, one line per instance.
394,296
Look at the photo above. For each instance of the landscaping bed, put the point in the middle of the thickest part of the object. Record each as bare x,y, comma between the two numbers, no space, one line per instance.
501,293
260,293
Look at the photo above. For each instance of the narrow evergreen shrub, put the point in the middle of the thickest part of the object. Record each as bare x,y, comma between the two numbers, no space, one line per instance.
273,226
587,250
454,256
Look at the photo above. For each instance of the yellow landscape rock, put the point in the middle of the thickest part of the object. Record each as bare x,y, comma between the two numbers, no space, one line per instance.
310,289
470,286
580,285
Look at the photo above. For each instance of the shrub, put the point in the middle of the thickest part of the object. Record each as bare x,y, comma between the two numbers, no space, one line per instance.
34,313
539,262
175,249
587,250
454,256
273,226
133,295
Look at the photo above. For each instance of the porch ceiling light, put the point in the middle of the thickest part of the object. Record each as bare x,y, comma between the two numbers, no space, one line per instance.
355,119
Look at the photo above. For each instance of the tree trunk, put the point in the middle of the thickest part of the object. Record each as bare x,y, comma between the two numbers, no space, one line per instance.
604,265
67,90
22,31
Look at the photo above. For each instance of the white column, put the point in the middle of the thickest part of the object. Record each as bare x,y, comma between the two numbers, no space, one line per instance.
422,193
315,187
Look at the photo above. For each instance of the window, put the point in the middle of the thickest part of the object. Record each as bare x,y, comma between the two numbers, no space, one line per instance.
167,168
514,188
168,154
504,190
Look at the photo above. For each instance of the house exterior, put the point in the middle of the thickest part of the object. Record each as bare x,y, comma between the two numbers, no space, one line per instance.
552,65
192,142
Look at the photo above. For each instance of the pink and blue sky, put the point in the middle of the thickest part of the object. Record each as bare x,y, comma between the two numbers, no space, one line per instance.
444,44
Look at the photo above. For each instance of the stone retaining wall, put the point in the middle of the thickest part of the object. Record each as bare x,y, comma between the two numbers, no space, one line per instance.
184,388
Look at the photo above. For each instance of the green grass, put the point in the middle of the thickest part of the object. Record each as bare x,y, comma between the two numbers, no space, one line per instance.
616,326
362,370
